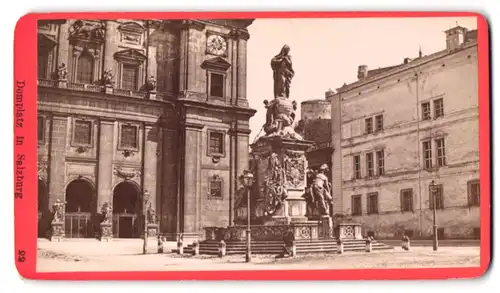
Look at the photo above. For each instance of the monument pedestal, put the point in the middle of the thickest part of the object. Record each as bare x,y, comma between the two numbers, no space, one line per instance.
57,231
106,231
348,231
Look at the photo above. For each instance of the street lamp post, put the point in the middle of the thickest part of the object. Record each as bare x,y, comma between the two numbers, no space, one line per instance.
247,180
433,189
145,200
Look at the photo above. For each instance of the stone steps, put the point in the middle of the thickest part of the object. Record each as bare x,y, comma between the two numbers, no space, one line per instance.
211,247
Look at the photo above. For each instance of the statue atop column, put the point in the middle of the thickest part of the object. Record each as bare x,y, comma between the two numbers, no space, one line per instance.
280,114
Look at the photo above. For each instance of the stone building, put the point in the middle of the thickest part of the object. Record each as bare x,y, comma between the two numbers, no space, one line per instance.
398,128
129,108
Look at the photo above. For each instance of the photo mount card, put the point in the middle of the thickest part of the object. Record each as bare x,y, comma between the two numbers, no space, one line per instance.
192,146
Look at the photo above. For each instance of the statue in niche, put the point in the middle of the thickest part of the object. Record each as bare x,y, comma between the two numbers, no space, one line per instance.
318,194
282,72
107,78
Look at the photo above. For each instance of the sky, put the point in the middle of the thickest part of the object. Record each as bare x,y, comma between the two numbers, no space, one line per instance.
327,52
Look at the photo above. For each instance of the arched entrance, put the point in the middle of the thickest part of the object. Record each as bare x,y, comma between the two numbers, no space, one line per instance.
126,208
43,208
78,210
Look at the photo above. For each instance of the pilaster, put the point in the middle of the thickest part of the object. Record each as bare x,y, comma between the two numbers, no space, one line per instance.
63,44
243,37
150,163
58,139
105,163
337,154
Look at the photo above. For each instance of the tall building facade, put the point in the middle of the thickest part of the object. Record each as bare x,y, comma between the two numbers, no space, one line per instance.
132,107
396,130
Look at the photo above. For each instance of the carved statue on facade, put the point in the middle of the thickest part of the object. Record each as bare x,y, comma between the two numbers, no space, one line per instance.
282,72
86,30
107,212
280,112
107,78
150,84
275,191
62,72
58,209
318,192
151,215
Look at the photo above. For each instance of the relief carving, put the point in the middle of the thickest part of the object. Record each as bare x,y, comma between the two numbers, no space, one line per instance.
275,191
87,31
295,168
42,168
127,174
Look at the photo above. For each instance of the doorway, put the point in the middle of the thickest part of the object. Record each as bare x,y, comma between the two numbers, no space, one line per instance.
78,210
126,208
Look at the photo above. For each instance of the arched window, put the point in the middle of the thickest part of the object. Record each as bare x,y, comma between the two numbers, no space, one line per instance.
85,68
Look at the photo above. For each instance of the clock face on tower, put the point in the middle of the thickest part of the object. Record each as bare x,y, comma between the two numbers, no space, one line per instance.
216,45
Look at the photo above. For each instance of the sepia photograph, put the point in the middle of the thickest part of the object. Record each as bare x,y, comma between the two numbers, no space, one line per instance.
258,144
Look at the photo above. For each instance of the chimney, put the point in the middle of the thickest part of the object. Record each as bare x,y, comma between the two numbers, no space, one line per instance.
455,37
362,71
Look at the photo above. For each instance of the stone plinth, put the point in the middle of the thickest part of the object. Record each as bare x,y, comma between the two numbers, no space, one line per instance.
57,231
281,180
106,231
348,231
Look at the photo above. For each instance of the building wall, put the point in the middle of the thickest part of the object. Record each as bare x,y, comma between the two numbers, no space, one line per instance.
166,142
398,98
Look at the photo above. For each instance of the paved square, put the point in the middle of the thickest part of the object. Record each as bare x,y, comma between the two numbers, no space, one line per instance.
126,255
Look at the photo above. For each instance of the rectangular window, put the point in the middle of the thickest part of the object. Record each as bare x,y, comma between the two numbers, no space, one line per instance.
357,166
473,192
356,205
130,77
427,152
128,137
216,143
372,203
438,108
83,132
380,162
426,111
43,63
369,165
407,200
216,85
440,152
85,68
437,196
40,129
379,122
369,125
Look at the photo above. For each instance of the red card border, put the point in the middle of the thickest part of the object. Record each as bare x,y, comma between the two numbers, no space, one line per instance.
25,209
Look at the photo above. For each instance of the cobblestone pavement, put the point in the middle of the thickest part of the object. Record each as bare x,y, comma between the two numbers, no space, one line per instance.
126,255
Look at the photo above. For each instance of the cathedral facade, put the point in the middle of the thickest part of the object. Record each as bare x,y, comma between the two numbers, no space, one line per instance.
141,112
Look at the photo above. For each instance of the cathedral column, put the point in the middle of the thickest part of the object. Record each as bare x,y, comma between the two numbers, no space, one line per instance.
243,37
105,163
188,54
150,163
191,194
63,45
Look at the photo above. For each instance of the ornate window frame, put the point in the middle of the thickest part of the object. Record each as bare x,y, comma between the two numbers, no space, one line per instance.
215,155
124,148
216,65
216,178
131,34
82,146
130,57
77,52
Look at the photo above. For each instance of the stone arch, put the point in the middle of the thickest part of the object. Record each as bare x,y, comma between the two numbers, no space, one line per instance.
80,205
127,209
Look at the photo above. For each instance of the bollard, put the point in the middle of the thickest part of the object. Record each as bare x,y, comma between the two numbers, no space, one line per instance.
340,246
294,249
368,244
405,243
160,245
196,248
222,248
180,246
